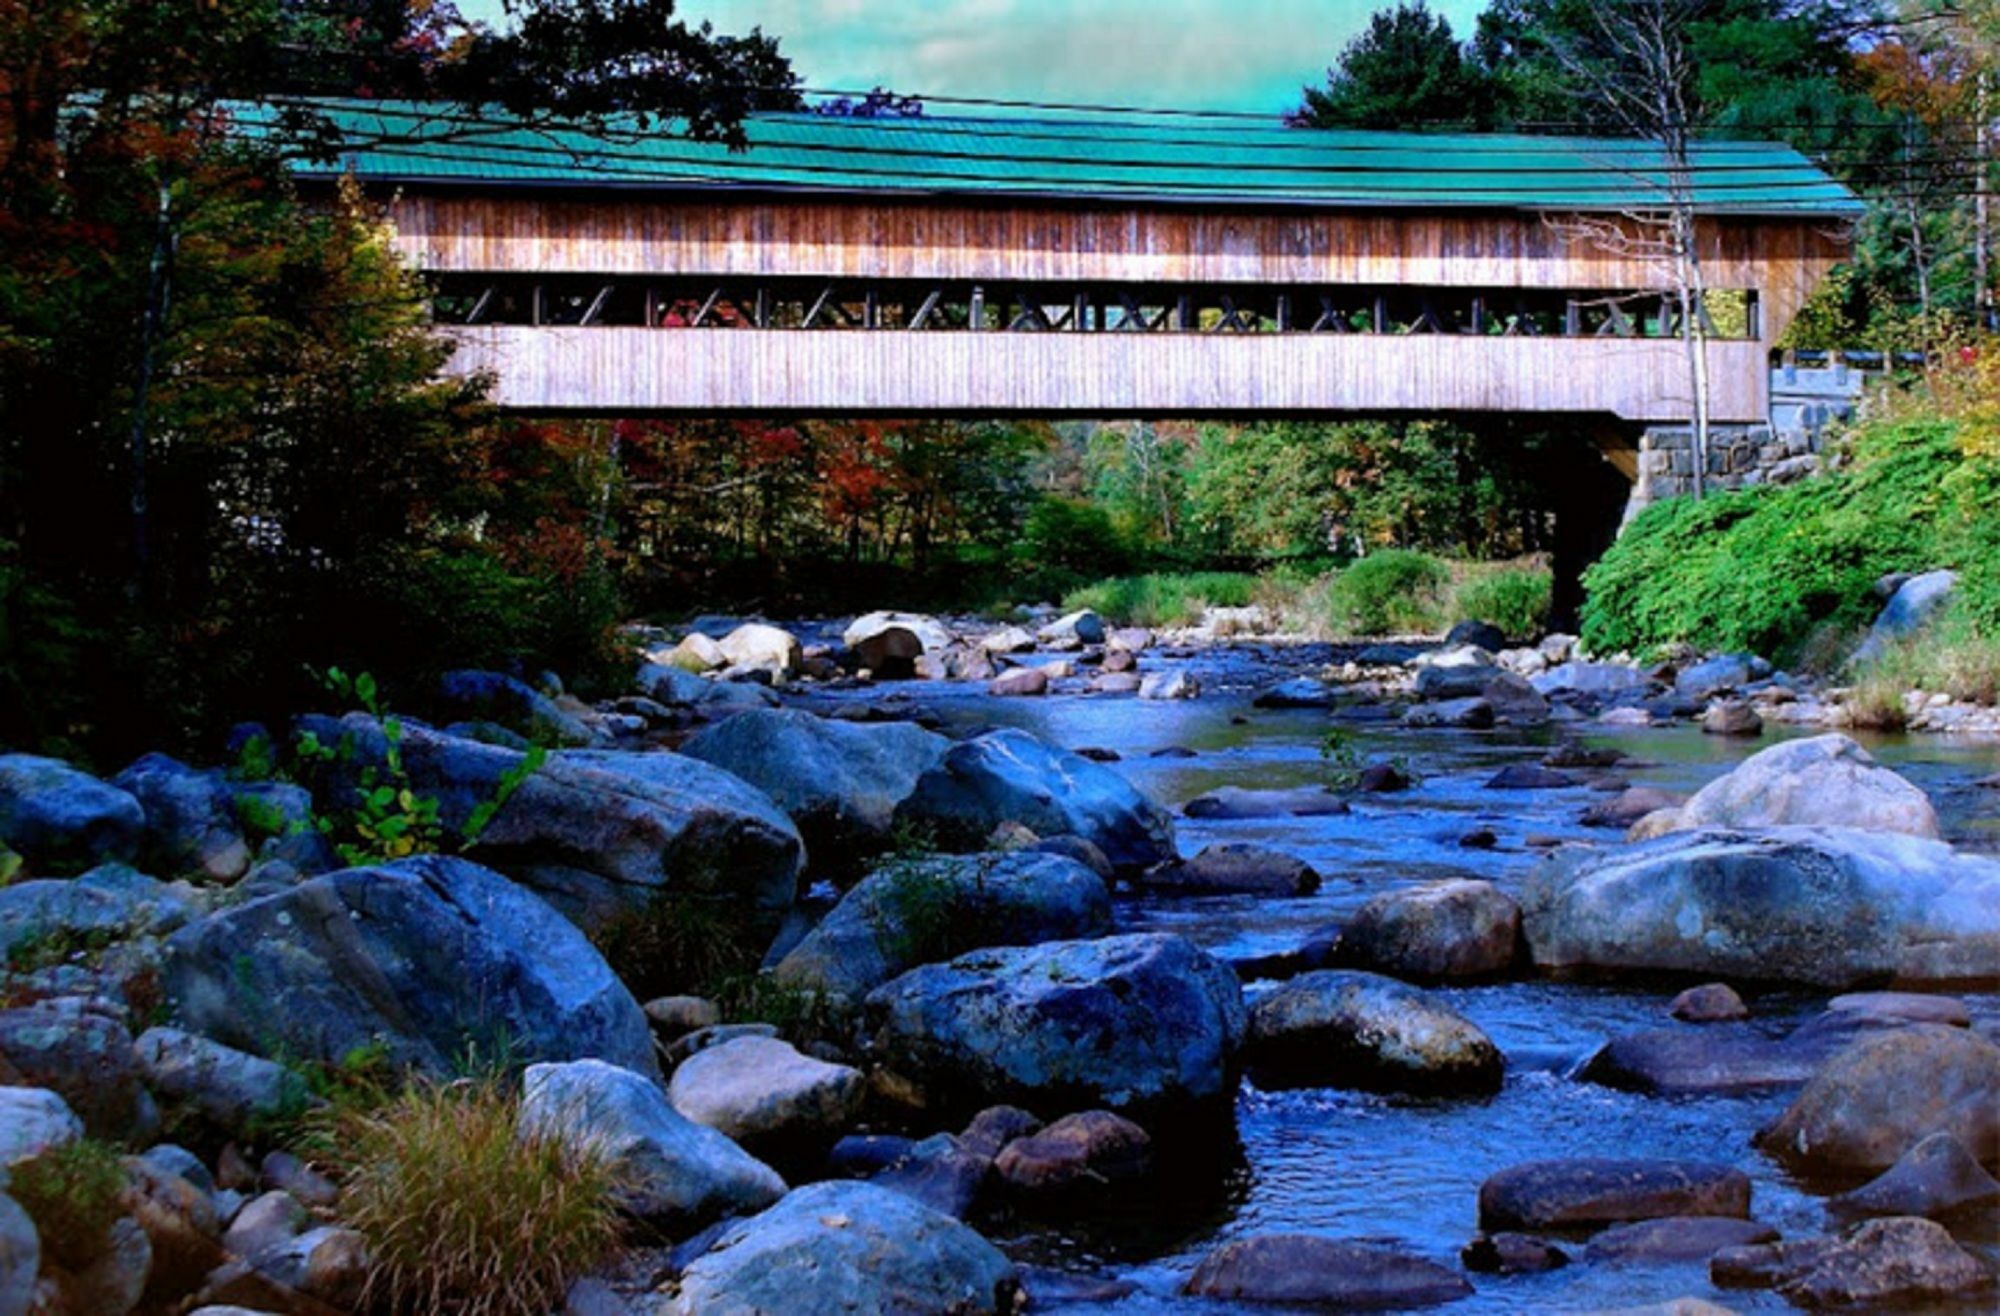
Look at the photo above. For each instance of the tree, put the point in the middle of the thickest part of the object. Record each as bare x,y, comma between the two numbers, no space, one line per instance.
1406,70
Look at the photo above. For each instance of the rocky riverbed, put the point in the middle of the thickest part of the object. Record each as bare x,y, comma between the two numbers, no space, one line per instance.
1212,1010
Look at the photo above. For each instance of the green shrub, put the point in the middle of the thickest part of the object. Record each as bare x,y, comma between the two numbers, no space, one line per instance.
1393,590
680,942
1164,599
74,1193
461,1215
1514,599
1763,569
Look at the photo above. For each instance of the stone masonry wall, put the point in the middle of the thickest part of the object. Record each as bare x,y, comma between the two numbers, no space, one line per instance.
1738,456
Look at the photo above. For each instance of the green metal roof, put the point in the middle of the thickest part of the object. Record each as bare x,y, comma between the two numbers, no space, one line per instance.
1162,160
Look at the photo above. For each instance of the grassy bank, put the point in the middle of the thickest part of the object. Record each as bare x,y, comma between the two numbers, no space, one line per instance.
1391,592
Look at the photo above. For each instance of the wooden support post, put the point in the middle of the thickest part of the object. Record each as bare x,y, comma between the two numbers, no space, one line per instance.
596,307
1573,318
1080,313
761,314
1478,326
536,307
707,309
871,310
976,314
1284,313
924,311
1184,318
479,306
1381,314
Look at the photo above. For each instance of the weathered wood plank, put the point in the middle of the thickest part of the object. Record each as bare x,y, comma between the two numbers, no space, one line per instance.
616,369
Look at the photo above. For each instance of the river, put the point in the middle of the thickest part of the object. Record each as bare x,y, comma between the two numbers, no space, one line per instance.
1357,1165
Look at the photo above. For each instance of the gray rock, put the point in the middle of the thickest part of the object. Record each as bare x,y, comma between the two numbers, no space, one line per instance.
1721,674
1828,906
763,1092
598,833
1529,777
494,697
1020,681
678,1174
20,1258
1305,1270
1936,1177
1083,625
1723,1059
61,820
1341,1029
847,1247
1916,601
169,1158
32,1120
761,647
996,1126
1591,1193
1146,1025
677,1016
106,905
1473,714
1881,1095
426,955
889,643
1479,634
1511,1254
1903,1007
1629,806
86,1058
1458,928
1009,776
1298,692
191,825
1602,680
1008,639
1731,717
266,1223
1176,684
916,912
942,1173
1899,1263
1243,802
231,1090
1672,1239
1235,868
1820,781
840,782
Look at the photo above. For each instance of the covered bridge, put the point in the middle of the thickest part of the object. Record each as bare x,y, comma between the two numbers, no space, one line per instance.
974,266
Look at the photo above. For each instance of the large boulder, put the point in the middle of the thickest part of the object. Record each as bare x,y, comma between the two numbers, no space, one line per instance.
1819,781
1452,929
1599,680
61,820
847,1247
674,1173
1338,1029
1887,1091
760,647
191,825
88,1059
764,1092
427,956
231,1090
1145,1025
1009,776
921,911
1908,611
1936,1177
889,643
1087,1152
599,834
477,696
840,782
1592,1193
105,905
20,1258
1234,802
1832,907
32,1120
1081,627
1511,698
1306,1271
1710,677
1898,1264
1235,868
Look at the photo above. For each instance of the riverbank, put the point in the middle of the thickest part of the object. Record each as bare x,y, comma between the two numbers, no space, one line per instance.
1157,873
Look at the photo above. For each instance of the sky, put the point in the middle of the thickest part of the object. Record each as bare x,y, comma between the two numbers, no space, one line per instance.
1194,54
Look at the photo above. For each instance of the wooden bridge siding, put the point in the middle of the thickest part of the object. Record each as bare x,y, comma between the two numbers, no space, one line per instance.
948,241
614,369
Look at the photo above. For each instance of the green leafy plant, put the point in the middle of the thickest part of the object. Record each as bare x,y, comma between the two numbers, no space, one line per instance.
1514,599
464,1214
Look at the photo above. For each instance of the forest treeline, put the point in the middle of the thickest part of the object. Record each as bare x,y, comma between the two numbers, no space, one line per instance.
227,455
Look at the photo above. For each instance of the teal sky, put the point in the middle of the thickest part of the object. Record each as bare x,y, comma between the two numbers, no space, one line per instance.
1195,54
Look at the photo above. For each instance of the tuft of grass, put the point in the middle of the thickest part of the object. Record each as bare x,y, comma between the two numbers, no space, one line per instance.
1164,598
461,1215
1391,591
1949,657
74,1193
1516,599
680,942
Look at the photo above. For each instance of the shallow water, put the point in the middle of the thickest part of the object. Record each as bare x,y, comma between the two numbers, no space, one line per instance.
1357,1165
